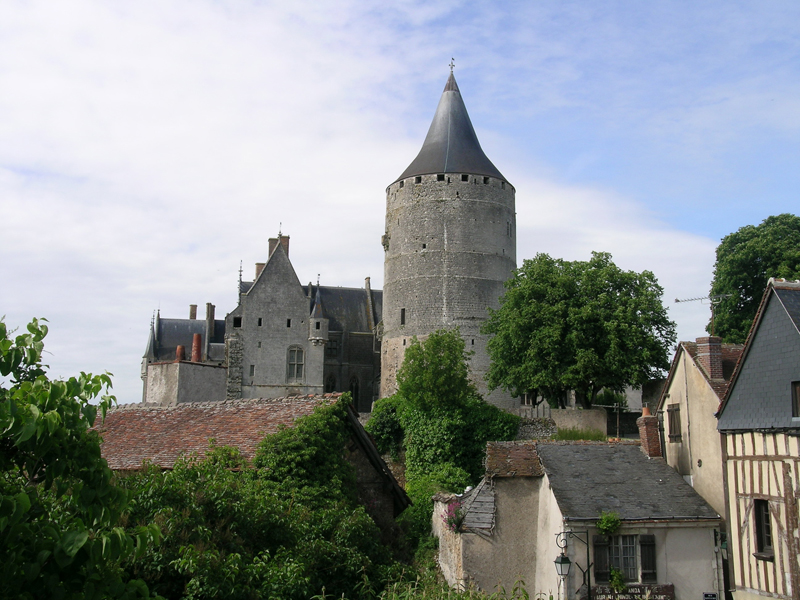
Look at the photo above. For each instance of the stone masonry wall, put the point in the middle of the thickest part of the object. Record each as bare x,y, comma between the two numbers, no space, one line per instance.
449,246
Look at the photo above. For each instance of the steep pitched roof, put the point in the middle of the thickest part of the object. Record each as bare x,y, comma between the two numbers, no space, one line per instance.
588,478
730,355
133,433
767,409
451,145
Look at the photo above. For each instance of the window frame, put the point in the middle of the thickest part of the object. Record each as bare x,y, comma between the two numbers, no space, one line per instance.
795,385
765,548
292,364
674,422
610,551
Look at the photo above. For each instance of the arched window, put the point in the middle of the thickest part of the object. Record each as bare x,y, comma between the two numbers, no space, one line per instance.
354,389
330,384
294,371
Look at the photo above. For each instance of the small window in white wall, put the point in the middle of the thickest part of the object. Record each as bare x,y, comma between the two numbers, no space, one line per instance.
288,322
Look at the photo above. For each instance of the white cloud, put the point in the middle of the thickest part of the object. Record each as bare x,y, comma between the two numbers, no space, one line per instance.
146,148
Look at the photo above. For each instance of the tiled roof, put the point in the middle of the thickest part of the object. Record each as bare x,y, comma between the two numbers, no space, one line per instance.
133,433
513,459
730,354
588,478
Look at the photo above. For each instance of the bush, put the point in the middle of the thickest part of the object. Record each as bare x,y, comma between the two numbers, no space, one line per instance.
287,529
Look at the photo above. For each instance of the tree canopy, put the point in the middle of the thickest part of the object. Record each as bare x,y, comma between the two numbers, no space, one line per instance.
575,325
59,508
746,259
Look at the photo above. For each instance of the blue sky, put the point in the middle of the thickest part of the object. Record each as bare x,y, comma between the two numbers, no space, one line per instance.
147,147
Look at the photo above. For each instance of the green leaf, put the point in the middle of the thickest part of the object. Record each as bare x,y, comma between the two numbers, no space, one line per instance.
72,541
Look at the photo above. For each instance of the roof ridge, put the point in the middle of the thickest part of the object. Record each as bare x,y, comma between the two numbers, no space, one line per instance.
226,402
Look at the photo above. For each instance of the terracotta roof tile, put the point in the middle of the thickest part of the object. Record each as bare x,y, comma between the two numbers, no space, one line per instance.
134,433
513,459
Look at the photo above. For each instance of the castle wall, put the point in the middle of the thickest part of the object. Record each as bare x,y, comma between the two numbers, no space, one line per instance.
449,247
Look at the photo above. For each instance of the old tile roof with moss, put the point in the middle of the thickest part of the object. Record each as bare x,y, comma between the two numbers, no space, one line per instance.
588,478
134,433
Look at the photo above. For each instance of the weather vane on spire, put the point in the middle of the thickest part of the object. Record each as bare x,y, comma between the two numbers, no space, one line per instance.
452,65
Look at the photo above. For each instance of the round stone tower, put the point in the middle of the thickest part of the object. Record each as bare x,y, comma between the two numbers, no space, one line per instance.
450,243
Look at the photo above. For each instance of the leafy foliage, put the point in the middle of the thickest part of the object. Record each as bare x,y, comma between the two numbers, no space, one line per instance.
580,326
288,528
59,510
746,259
443,422
608,523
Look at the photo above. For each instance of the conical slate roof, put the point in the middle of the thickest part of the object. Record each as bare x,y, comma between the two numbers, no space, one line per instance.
451,145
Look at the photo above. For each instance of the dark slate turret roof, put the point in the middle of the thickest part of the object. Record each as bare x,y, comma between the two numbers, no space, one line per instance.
451,145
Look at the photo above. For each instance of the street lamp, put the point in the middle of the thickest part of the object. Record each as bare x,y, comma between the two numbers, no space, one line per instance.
563,562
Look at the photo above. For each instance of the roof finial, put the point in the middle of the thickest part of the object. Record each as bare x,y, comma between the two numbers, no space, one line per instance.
317,279
452,65
280,229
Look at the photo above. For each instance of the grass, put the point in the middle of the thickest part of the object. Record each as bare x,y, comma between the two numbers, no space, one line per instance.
576,433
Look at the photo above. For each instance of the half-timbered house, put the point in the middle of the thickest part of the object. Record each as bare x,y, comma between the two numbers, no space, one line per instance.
759,420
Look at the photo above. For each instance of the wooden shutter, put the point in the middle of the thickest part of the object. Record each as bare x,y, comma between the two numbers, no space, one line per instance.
601,568
647,547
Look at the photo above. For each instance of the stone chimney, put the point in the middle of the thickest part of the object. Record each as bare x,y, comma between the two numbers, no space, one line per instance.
709,355
210,329
180,353
284,241
196,347
193,311
648,433
259,268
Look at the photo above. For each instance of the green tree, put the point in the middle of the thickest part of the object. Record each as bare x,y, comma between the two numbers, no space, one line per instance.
746,259
580,326
438,418
59,509
288,526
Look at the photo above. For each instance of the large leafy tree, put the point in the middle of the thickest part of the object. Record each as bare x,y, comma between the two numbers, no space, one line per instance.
746,259
583,326
59,508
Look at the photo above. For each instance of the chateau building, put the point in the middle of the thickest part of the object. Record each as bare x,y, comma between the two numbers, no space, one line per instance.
450,244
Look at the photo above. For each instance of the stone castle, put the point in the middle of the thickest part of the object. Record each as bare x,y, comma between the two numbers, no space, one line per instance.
449,243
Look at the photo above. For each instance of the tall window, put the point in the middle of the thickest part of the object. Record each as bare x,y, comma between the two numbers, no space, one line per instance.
330,383
796,398
633,555
354,389
763,529
332,348
674,418
295,370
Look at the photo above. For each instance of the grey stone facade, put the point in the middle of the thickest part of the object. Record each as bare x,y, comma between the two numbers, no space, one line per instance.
450,244
283,339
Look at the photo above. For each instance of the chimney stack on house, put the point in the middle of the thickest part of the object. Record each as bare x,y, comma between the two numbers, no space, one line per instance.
196,347
259,268
193,311
648,433
180,353
284,241
210,329
709,355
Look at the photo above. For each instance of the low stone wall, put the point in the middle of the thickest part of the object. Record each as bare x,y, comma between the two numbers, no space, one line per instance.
536,429
567,418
